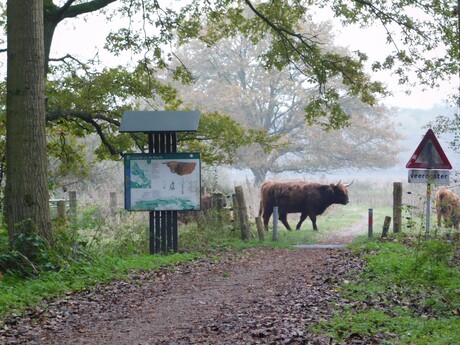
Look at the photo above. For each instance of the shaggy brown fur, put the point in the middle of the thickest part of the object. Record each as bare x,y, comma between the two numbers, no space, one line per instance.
448,208
308,198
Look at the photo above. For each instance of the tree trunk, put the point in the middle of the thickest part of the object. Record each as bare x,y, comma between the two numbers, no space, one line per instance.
26,196
260,173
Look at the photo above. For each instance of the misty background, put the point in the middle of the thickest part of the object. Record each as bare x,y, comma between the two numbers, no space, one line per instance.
410,113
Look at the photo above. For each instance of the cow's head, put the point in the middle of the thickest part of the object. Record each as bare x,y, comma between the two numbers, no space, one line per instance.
341,193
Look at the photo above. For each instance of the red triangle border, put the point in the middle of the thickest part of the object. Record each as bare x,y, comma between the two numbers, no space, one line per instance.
412,164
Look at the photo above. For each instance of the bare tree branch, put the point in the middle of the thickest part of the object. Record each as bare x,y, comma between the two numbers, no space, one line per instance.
90,119
68,11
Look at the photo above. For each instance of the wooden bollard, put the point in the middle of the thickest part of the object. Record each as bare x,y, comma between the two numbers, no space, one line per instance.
61,209
397,204
275,223
236,220
386,226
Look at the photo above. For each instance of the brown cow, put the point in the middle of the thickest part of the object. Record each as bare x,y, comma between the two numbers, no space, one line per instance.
309,198
448,208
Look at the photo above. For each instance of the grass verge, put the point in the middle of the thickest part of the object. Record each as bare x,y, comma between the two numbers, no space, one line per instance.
18,292
408,293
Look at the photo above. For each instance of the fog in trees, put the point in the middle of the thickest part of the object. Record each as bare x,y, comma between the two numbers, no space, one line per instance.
230,78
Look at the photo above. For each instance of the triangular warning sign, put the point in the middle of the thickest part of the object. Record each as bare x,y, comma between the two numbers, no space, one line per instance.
429,154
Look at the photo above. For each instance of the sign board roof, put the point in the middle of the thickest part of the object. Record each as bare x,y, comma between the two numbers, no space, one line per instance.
429,154
160,121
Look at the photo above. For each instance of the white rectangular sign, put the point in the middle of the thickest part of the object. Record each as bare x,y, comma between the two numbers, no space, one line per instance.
429,176
162,182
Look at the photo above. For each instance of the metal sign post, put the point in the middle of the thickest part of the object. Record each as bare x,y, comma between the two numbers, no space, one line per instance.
428,208
275,223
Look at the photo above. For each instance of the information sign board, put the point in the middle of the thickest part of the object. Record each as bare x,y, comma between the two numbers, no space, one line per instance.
162,182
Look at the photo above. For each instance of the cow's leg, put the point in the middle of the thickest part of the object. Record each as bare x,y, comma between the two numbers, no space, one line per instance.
303,216
438,216
455,219
283,218
266,216
313,221
447,219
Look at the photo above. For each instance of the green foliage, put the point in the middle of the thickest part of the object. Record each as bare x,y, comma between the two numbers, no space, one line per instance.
211,233
432,258
97,234
81,104
408,293
85,98
220,137
395,329
415,36
449,125
30,254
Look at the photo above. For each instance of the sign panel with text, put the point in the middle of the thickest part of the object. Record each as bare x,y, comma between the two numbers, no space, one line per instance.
428,176
162,182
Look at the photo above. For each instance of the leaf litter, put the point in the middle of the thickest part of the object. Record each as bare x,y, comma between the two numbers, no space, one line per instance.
258,296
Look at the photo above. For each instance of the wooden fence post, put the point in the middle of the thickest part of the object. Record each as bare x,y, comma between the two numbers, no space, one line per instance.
236,220
386,226
397,204
61,209
242,214
113,204
260,229
73,205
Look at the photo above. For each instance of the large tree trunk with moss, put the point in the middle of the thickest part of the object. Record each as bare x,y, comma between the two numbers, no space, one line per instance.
26,196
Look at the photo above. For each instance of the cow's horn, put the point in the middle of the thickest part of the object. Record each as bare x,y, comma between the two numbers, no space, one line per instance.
338,182
349,184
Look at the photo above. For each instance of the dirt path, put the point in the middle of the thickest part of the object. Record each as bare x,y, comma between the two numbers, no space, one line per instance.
260,296
346,236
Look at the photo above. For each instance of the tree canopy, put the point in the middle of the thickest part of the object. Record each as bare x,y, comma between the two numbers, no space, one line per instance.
152,31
